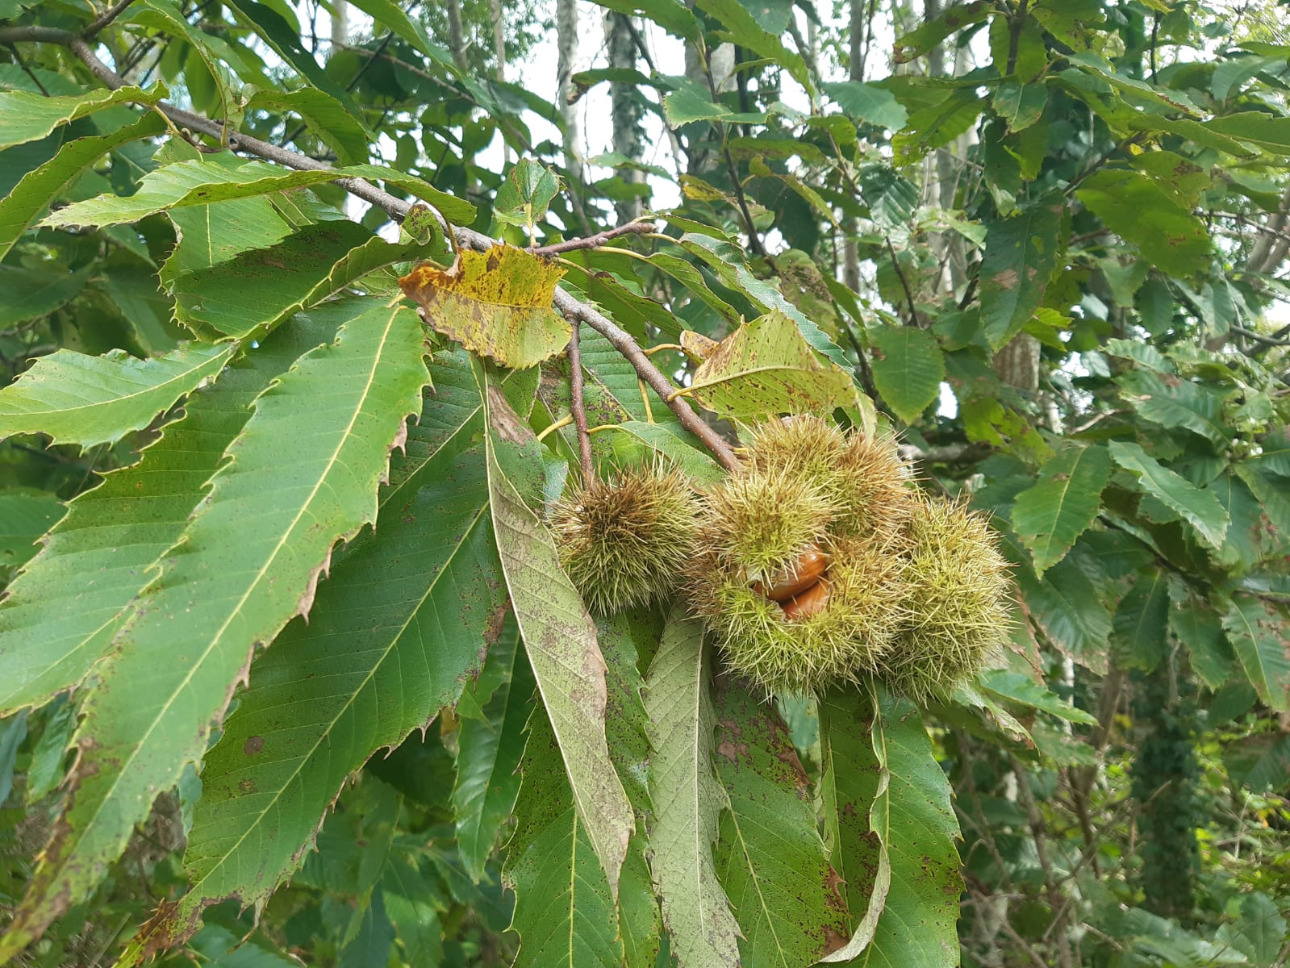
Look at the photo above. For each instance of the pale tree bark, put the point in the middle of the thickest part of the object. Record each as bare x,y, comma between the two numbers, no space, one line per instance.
339,24
499,37
625,111
566,29
860,31
456,35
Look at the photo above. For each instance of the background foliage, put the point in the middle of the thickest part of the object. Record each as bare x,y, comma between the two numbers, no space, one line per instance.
1046,238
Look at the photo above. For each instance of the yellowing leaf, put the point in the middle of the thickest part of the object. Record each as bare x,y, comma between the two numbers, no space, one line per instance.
497,303
766,365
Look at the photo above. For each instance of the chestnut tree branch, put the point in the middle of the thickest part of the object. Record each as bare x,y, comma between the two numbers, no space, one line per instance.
595,241
577,407
572,309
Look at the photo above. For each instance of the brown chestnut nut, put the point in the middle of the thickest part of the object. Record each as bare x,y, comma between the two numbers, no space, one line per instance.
810,602
812,564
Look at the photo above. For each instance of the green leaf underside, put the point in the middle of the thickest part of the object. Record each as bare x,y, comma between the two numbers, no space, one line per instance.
564,907
25,116
202,182
251,293
88,400
770,858
907,369
394,634
918,925
767,366
1200,507
255,546
687,799
38,188
1259,632
855,794
561,643
45,646
490,742
1049,516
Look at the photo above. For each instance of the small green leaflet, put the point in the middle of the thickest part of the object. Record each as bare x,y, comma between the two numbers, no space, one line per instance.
524,196
1136,208
1049,516
201,182
1200,507
688,800
303,473
561,643
1173,402
25,116
908,368
88,400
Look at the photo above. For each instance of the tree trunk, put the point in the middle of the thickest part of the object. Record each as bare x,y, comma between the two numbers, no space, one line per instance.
499,38
566,28
456,36
339,24
625,111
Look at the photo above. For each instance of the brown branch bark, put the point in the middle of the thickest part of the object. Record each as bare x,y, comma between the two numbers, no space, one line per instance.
595,241
397,208
578,408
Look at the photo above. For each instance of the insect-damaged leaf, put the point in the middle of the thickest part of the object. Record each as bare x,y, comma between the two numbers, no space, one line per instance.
766,366
497,303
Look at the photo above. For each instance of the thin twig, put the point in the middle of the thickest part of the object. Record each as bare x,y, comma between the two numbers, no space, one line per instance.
577,407
110,14
595,241
904,283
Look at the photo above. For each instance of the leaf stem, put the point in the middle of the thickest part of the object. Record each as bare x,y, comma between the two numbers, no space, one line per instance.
577,407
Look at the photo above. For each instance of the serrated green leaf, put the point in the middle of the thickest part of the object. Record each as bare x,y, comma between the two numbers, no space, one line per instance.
917,927
1272,494
1134,207
88,400
688,799
1071,609
743,29
392,15
855,788
766,366
284,38
1173,402
38,188
908,368
770,858
489,749
689,103
25,116
420,594
325,117
251,293
1021,255
1023,690
561,643
526,194
1259,633
668,441
1198,506
1199,628
117,531
564,907
247,563
199,182
412,905
1049,516
868,103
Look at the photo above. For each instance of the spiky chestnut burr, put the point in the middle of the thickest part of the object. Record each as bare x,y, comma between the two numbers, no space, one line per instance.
957,594
862,476
626,541
834,631
757,524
